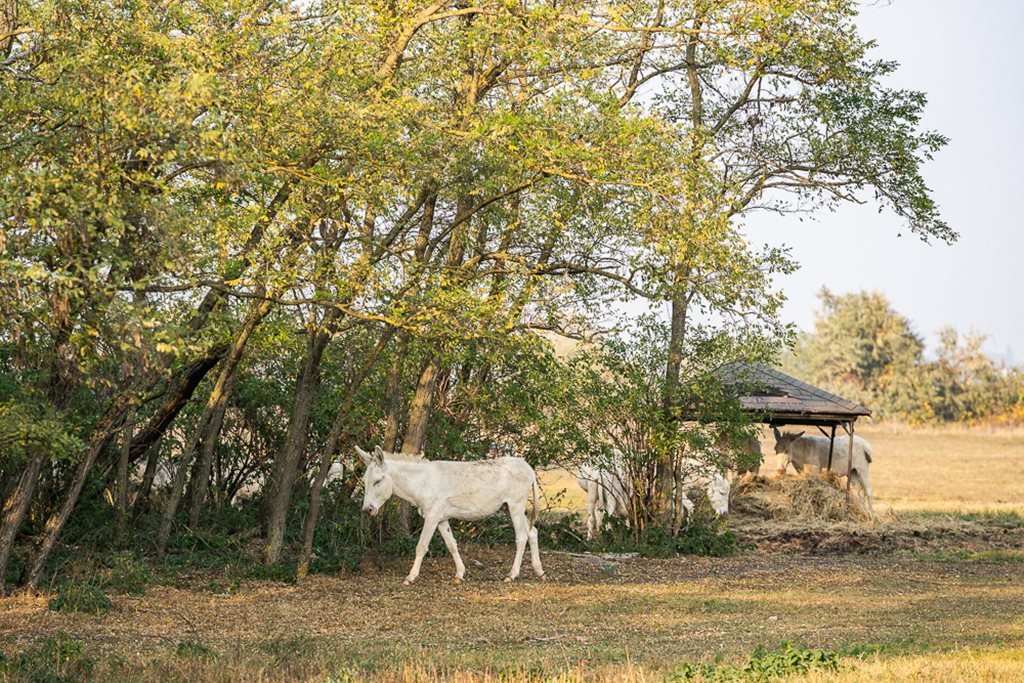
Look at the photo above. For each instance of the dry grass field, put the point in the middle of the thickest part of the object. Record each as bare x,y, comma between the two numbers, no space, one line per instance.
926,592
946,469
953,469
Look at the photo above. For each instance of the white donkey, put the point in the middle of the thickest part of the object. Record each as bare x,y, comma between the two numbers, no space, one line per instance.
697,476
608,492
443,490
811,451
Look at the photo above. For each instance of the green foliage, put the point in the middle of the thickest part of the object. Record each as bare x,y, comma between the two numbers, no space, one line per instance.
28,427
54,660
80,597
762,666
611,409
864,350
1005,520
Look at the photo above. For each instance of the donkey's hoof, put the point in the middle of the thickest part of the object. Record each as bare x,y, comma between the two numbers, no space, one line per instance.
509,579
543,576
458,580
407,582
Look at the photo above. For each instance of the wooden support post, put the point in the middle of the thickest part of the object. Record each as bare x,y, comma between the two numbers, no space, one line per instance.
849,458
831,446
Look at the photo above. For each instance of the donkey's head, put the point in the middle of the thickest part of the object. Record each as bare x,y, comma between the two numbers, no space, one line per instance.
377,483
718,494
783,442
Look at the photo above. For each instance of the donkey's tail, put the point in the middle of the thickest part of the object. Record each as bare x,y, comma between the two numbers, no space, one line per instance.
536,504
867,451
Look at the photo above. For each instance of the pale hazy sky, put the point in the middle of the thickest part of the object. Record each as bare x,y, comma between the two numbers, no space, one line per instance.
966,55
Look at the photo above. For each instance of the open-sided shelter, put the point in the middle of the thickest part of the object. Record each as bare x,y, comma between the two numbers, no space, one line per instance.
777,399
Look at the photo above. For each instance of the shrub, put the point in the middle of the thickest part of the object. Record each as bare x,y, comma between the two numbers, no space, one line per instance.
128,575
80,597
762,666
55,660
194,650
702,536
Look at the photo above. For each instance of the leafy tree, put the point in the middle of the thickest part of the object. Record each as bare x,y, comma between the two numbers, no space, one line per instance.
968,385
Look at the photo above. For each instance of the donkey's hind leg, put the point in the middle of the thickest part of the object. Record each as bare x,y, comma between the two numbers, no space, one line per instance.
538,569
522,527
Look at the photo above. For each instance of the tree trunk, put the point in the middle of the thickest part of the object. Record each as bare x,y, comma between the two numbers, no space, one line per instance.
419,409
201,482
330,448
416,428
122,473
666,472
315,491
177,395
8,24
148,476
14,511
289,457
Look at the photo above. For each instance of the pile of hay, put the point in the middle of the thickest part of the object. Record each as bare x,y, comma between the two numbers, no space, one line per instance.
797,497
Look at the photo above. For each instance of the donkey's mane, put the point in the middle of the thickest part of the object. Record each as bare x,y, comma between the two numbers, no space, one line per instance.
405,457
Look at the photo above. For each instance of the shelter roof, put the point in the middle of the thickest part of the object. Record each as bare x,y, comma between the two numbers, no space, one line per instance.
777,398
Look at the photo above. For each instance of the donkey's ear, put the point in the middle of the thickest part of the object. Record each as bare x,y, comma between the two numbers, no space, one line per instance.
378,453
778,435
798,435
364,456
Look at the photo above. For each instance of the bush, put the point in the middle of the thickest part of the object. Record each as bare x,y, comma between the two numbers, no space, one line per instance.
194,650
53,661
80,597
762,667
701,536
128,575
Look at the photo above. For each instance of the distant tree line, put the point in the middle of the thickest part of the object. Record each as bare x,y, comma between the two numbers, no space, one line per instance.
863,349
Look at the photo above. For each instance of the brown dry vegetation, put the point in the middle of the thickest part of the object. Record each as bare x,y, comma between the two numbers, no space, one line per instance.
930,597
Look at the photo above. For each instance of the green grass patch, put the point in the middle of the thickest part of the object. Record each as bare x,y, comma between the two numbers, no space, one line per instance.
999,520
896,648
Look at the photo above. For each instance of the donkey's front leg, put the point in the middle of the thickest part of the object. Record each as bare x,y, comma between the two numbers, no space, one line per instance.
453,548
429,524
